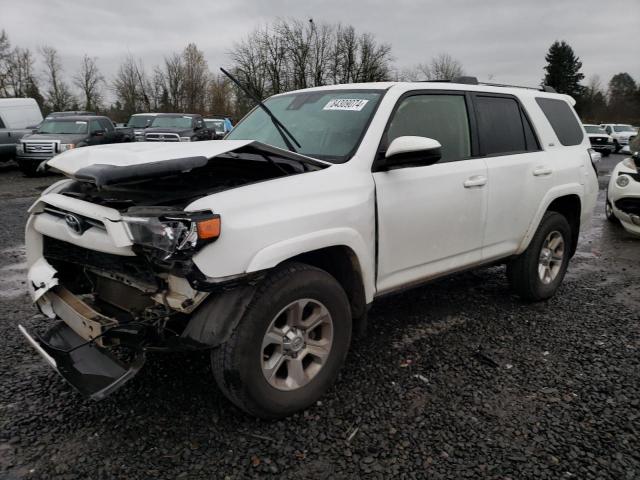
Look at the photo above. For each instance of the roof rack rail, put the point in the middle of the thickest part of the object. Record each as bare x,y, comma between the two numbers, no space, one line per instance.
466,80
474,81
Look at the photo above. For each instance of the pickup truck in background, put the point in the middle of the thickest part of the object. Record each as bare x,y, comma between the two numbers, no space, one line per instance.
138,123
177,127
622,134
59,134
18,116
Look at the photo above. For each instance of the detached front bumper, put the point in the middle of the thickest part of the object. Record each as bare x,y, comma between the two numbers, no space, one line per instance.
91,370
627,210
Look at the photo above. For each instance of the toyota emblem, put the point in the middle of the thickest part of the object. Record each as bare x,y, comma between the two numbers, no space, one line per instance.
73,223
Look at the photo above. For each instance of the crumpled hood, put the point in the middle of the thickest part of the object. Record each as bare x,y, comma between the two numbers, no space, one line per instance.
148,159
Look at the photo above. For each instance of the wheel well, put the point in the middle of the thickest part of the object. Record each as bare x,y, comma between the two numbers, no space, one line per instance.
342,263
570,207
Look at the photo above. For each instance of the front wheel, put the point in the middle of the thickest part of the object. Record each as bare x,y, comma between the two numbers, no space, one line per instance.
606,153
617,146
29,169
537,273
608,211
288,347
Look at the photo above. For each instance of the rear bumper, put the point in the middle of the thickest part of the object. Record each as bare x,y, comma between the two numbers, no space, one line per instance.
91,370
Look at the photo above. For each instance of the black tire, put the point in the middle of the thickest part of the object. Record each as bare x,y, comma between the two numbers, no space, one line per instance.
236,364
30,169
606,153
616,146
608,212
522,272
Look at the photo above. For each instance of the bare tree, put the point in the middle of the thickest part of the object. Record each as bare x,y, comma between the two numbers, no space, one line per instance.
442,67
131,86
90,81
195,78
58,95
221,98
290,54
5,59
20,76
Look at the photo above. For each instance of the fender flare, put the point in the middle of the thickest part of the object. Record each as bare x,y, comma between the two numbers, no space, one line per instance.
553,194
279,252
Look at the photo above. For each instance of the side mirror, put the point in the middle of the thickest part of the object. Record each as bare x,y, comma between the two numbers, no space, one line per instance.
410,150
98,133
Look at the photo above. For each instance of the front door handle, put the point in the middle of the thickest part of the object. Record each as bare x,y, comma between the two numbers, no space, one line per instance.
541,171
475,181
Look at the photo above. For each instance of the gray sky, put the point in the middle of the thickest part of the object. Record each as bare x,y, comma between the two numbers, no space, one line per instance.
505,39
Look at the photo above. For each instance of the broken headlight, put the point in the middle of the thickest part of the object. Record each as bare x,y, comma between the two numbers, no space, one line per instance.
171,233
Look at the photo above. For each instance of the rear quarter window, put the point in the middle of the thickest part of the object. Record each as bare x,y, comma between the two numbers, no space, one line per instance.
562,120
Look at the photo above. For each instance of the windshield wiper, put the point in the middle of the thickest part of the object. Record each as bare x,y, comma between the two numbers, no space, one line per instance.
282,130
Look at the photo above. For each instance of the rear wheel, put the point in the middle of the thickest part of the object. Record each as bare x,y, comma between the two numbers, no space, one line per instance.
538,272
289,345
606,153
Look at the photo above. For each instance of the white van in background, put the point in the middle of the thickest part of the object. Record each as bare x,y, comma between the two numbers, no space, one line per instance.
17,117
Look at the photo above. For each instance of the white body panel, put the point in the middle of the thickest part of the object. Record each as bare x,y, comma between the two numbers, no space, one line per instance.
615,193
19,113
428,223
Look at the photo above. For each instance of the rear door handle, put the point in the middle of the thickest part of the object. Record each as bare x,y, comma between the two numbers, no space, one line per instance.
542,171
475,181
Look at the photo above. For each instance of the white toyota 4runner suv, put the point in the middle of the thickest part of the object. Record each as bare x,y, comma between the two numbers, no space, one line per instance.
268,247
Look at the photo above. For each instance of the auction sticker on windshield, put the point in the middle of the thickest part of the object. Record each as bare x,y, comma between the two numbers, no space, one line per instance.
353,104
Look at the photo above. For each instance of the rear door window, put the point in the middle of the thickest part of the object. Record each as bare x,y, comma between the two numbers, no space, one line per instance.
95,126
563,120
503,128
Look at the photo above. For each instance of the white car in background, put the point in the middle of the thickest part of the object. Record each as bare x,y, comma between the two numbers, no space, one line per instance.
623,195
621,133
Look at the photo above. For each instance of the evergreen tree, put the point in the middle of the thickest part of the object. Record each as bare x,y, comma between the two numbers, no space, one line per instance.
623,99
563,70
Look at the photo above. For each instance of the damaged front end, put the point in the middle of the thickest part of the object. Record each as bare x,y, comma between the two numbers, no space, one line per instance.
110,263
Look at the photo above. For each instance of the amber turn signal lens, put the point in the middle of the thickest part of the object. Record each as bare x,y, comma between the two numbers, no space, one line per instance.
209,228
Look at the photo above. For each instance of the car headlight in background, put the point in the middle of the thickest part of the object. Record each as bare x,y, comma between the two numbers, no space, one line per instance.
67,146
622,181
170,233
19,147
185,139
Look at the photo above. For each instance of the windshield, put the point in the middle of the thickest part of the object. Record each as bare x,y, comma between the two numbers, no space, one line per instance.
595,129
217,125
140,121
623,128
60,126
172,122
328,124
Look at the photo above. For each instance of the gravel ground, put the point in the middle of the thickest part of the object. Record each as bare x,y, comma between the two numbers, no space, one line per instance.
457,379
